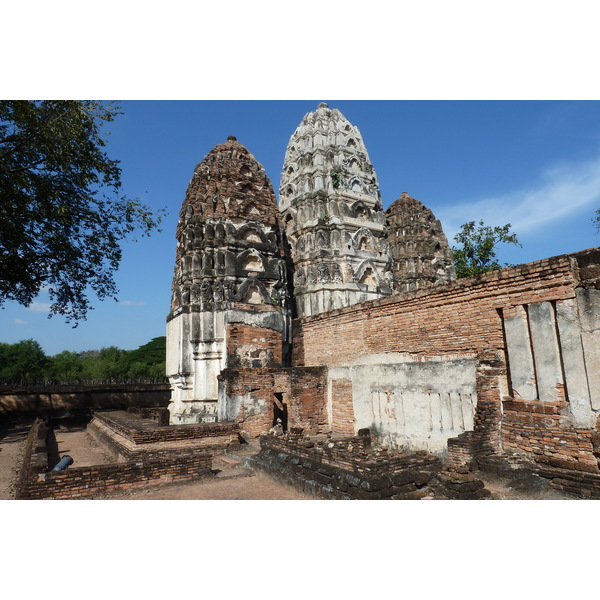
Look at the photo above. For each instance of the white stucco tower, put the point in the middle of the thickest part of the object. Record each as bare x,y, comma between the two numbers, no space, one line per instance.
332,215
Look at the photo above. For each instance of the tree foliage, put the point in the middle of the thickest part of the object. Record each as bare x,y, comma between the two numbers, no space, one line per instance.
26,363
23,361
63,213
477,251
596,219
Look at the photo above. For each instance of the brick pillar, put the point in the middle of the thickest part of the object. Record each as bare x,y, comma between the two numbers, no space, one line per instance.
342,409
491,387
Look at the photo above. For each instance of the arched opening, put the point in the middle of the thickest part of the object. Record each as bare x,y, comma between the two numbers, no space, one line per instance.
252,263
253,295
251,235
353,165
365,244
368,277
362,213
356,186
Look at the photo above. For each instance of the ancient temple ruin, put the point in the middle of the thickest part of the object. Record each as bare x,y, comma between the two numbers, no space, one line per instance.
339,336
331,317
420,253
245,267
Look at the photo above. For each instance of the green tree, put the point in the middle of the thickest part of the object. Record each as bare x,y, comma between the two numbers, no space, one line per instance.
112,364
65,367
152,353
148,361
477,251
596,220
23,362
63,214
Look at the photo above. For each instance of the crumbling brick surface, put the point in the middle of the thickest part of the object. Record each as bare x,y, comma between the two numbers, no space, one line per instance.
345,468
459,483
450,319
342,408
535,430
446,319
303,391
146,431
249,346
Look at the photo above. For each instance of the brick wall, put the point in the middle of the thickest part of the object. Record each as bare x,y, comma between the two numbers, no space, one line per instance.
535,429
252,391
451,319
249,346
342,410
308,401
40,400
146,431
79,482
345,468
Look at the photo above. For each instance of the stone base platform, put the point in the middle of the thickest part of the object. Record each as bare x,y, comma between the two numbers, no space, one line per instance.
129,435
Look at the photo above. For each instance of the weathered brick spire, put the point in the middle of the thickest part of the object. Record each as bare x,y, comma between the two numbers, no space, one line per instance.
230,183
419,249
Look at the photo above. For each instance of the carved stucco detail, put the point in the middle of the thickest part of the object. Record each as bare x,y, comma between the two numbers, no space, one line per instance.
329,192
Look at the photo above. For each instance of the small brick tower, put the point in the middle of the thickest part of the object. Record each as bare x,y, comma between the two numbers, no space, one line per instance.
420,253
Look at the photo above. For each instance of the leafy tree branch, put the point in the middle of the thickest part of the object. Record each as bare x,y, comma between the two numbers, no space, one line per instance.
64,215
477,251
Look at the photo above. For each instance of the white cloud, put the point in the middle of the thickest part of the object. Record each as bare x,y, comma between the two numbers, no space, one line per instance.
132,303
39,307
20,322
563,189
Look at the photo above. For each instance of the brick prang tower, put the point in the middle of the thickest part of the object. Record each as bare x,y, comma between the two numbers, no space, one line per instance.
229,281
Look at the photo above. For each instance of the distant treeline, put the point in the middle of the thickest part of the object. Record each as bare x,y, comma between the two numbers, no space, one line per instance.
26,363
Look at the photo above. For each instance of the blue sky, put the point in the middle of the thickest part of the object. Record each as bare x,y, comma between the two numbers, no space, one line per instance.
534,164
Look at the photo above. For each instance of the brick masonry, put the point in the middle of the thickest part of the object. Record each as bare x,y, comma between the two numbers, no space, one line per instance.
345,467
142,431
36,482
342,410
464,317
254,392
535,430
447,319
249,346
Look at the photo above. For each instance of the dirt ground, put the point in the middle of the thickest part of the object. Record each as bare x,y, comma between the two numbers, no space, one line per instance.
233,481
12,440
